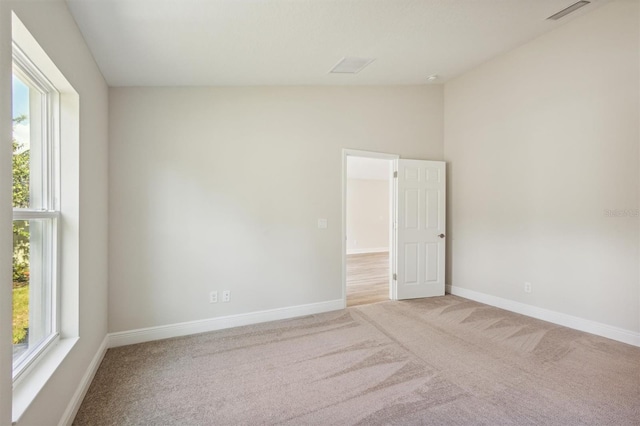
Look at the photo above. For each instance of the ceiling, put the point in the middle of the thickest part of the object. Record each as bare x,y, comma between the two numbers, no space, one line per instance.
296,42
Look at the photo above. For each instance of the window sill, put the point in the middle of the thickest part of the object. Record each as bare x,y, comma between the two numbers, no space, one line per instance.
28,387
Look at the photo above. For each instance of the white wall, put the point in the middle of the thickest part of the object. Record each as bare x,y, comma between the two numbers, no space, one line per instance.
53,27
6,216
367,215
221,188
540,142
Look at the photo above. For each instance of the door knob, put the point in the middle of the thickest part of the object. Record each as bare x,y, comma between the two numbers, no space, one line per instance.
441,235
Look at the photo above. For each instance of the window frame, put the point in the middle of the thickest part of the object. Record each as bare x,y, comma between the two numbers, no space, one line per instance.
49,211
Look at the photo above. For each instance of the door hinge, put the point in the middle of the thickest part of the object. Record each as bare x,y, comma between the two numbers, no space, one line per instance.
395,277
395,174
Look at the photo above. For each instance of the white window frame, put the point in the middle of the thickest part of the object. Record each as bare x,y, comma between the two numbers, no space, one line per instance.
48,135
35,377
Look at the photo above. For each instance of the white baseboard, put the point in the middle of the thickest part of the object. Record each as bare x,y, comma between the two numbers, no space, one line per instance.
141,335
368,250
74,405
593,327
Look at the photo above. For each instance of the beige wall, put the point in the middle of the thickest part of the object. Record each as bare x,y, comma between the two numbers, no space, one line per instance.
53,27
367,215
221,188
6,216
540,143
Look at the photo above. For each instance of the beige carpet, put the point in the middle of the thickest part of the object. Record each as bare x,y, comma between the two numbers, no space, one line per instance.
436,361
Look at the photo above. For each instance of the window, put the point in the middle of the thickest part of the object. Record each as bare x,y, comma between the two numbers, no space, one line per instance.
46,218
36,212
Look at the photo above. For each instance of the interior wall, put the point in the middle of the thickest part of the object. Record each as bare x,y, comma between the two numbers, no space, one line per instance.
51,24
367,215
542,145
222,188
6,216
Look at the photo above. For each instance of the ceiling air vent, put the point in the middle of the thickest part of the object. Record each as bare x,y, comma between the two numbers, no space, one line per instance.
568,10
351,65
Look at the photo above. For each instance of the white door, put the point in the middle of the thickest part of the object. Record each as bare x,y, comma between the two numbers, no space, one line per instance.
420,256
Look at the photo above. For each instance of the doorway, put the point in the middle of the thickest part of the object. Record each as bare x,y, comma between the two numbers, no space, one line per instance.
369,231
416,225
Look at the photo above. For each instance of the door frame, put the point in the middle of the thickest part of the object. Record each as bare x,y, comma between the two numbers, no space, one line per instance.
392,215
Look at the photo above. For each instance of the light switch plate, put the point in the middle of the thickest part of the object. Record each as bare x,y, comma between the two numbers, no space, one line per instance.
322,223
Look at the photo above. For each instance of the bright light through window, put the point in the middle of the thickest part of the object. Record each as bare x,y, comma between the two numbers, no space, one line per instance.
35,213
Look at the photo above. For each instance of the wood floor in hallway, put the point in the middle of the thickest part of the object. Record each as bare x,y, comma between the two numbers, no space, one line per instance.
367,278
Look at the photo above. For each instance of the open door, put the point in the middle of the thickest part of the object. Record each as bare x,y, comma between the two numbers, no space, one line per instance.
420,243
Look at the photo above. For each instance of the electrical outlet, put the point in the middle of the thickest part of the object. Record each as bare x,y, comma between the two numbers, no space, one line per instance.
213,297
226,295
527,287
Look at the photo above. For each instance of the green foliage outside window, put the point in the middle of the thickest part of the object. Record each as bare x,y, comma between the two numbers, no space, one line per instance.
20,200
20,241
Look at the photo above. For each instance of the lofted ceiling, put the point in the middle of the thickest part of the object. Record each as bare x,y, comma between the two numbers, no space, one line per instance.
296,42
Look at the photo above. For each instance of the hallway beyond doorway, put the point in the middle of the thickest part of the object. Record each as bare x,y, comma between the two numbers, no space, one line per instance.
367,278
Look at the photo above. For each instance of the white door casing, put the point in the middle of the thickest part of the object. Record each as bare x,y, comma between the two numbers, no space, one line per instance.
420,257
